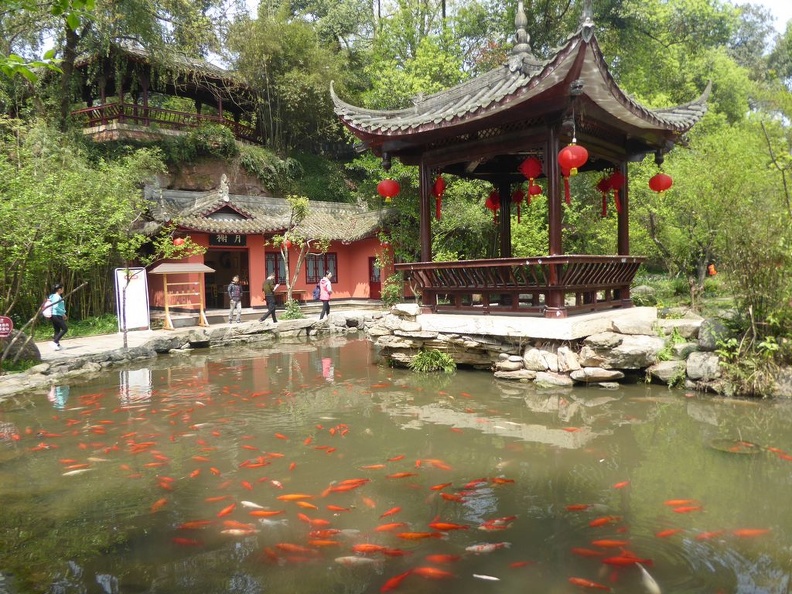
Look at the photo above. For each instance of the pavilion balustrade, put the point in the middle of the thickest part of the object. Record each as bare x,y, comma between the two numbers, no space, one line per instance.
549,286
153,117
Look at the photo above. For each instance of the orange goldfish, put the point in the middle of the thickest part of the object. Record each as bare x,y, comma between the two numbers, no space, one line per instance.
668,532
226,510
390,512
447,526
750,532
389,527
432,573
584,583
294,497
604,520
418,535
442,558
394,582
607,543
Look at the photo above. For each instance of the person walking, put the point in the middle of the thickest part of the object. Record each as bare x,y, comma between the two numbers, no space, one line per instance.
325,290
269,288
59,316
235,300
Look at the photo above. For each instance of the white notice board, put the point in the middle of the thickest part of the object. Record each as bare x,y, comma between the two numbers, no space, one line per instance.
137,304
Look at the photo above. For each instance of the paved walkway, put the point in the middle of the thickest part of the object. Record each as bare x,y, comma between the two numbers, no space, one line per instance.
91,345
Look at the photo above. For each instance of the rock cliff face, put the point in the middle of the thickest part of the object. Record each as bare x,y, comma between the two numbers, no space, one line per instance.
659,350
203,175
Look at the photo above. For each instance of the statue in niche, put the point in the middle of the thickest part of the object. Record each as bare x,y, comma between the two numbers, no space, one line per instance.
224,187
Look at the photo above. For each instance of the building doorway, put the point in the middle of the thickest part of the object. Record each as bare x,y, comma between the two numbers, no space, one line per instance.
227,263
375,282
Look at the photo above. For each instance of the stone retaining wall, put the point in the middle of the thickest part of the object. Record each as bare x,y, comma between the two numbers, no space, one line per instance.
670,351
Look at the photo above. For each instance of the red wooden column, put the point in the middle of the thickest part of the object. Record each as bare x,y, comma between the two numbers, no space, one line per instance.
555,306
504,191
623,231
425,211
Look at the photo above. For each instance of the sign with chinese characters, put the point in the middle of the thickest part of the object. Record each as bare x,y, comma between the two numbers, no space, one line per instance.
231,239
6,325
132,305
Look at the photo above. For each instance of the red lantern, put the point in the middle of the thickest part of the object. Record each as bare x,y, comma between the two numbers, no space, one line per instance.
571,157
287,243
178,241
438,189
604,186
533,191
617,180
493,203
661,182
388,188
517,198
531,168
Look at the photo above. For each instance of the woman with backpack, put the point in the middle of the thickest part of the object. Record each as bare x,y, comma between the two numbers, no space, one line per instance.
325,290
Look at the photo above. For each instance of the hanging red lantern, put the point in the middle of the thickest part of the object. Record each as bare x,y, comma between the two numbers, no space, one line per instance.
287,243
660,182
178,241
388,188
534,191
493,203
617,180
438,189
604,186
517,198
572,157
531,168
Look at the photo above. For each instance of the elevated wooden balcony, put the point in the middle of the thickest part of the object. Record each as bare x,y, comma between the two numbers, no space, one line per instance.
99,119
549,286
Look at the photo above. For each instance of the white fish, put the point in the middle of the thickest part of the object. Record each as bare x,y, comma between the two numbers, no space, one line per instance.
272,523
92,459
649,583
239,531
491,578
78,471
251,505
487,547
354,561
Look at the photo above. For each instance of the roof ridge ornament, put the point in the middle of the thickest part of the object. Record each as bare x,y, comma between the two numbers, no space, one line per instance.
587,21
521,57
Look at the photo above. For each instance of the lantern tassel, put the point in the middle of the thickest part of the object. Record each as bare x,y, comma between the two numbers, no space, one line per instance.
617,201
438,207
567,197
604,212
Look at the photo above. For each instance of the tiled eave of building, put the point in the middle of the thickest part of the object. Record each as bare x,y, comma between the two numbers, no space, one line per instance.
514,84
211,212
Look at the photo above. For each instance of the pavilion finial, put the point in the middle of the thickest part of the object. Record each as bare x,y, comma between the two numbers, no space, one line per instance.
587,20
520,22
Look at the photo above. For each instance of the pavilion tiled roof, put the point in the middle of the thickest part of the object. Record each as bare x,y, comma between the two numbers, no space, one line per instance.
220,213
522,79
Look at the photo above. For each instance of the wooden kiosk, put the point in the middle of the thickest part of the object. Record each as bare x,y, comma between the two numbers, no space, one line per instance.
183,293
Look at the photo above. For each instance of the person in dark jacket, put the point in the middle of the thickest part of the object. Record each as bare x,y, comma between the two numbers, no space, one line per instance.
235,300
269,294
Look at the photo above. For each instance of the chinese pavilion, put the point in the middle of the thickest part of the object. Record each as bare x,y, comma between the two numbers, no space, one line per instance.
486,128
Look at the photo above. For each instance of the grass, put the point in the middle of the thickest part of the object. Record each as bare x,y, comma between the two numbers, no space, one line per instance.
106,324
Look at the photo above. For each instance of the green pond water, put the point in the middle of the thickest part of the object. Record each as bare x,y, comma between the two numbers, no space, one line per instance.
313,468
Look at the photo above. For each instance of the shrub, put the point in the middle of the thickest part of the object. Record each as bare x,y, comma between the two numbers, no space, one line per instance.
392,290
428,361
292,311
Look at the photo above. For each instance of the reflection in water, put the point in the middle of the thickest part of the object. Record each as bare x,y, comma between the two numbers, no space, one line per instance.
309,468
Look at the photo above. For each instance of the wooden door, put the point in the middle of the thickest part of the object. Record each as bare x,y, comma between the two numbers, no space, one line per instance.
375,284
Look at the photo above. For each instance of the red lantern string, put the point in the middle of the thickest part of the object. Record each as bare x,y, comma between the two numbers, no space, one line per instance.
604,186
617,180
438,189
493,203
517,198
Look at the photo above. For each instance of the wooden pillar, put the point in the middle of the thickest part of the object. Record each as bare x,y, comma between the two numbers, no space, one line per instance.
623,237
425,212
553,172
504,191
144,88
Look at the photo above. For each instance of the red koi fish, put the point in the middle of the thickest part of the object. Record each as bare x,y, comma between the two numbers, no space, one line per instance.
678,502
432,573
607,543
447,526
452,497
390,512
390,527
396,458
604,520
439,487
578,507
265,513
394,582
158,504
305,505
750,532
367,548
418,535
372,467
584,583
625,561
294,497
226,510
399,475
195,524
441,559
686,509
337,508
621,485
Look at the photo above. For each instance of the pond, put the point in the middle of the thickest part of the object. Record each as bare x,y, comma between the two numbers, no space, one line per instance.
313,468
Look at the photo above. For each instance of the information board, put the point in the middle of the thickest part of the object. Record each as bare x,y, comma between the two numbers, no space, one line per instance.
133,281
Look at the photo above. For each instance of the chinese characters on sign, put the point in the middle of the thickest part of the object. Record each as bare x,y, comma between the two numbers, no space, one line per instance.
6,325
228,240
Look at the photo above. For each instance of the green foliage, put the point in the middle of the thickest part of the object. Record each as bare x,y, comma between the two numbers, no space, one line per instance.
749,367
392,290
208,140
321,178
292,311
431,360
277,175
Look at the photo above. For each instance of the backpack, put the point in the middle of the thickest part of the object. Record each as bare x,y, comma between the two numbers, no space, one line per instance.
316,293
46,308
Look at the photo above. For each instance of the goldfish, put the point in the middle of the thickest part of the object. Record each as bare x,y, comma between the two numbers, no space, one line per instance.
390,512
323,542
606,543
390,527
584,583
294,497
305,505
452,497
708,535
373,467
239,531
583,552
226,510
158,504
621,485
487,547
432,573
418,535
447,526
251,505
490,578
625,561
668,532
750,532
289,547
338,508
394,582
367,547
195,524
265,513
399,475
678,502
604,520
442,558
686,509
578,507
440,487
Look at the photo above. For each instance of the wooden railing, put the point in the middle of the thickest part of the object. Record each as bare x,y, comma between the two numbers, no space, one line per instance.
156,117
550,286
